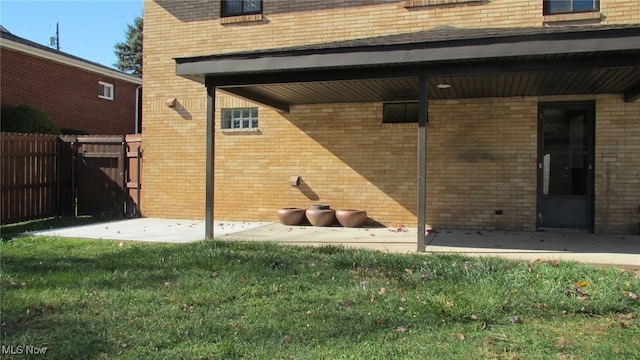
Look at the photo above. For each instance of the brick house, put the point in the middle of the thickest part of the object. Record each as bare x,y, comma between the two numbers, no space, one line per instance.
506,115
76,93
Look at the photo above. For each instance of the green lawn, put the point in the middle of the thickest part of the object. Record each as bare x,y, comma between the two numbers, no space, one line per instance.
221,300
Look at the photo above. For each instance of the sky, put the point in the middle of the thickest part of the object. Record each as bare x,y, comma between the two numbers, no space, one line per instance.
89,29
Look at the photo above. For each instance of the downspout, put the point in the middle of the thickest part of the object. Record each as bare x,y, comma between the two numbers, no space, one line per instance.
137,129
57,176
74,193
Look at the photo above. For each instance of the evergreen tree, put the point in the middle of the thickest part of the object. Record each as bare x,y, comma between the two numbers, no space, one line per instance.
129,53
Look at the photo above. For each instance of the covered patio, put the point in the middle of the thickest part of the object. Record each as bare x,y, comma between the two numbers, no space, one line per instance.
439,64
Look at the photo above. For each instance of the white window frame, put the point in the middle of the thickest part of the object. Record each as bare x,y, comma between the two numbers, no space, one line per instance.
239,119
105,85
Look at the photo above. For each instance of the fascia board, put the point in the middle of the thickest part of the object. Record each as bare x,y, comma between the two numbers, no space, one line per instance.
388,56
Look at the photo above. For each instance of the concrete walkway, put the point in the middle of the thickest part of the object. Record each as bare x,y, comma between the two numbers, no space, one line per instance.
619,250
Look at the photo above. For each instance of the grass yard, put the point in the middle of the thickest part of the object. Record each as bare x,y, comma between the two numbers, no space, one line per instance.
219,300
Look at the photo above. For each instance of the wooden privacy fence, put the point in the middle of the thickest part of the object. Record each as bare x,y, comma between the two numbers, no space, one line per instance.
47,175
29,174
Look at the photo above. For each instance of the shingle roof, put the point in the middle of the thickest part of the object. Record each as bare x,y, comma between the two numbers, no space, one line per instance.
450,33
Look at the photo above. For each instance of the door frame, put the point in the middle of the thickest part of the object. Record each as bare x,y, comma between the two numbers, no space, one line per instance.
590,107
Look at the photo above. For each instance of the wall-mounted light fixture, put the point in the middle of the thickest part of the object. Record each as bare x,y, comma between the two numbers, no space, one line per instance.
294,180
170,102
443,86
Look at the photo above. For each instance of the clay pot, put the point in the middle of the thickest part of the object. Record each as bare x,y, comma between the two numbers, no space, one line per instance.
321,215
351,217
291,216
320,207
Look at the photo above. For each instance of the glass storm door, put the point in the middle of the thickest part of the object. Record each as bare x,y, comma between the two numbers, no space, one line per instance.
565,165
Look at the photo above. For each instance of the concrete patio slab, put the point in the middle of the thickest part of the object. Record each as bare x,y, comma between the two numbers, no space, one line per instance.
149,229
619,250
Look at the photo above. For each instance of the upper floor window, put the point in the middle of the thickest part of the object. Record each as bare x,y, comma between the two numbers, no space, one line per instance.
105,90
569,6
240,7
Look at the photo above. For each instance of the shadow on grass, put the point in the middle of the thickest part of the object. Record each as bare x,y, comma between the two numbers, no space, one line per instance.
12,231
59,293
51,269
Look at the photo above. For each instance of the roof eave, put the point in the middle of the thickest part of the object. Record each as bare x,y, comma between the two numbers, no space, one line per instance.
70,61
197,68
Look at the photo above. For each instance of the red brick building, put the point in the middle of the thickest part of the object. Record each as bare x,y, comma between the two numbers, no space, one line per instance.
77,94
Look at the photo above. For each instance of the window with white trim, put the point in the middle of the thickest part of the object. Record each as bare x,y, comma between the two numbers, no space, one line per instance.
569,6
105,90
239,118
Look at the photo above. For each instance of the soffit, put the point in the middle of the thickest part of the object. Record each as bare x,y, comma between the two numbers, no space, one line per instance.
464,86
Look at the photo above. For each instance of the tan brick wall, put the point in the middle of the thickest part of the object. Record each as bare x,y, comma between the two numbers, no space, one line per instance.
481,157
617,165
348,158
620,11
344,154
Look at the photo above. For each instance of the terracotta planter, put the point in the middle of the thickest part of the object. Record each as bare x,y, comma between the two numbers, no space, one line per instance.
291,216
351,217
320,207
321,215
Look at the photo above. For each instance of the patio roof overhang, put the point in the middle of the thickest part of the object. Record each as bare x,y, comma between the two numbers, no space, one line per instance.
476,63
